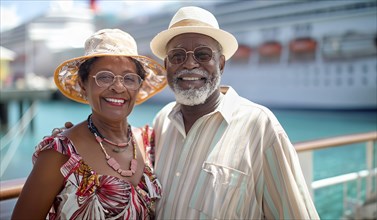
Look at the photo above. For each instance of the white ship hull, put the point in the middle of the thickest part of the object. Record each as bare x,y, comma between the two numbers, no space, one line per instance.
307,86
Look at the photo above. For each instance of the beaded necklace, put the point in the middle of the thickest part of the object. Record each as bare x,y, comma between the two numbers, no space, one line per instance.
119,147
110,160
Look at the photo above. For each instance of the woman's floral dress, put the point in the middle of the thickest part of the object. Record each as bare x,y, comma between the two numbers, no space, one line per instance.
88,195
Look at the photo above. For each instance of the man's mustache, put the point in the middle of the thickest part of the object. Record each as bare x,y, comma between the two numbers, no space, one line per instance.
193,71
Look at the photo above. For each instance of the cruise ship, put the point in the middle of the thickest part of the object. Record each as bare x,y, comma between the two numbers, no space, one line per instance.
44,42
292,54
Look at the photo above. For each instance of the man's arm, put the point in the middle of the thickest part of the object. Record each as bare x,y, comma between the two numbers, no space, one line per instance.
286,195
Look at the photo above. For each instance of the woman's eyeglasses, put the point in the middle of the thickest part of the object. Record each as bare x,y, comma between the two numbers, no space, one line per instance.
131,81
200,54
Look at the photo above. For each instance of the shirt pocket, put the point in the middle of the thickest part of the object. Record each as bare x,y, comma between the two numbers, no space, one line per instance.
220,192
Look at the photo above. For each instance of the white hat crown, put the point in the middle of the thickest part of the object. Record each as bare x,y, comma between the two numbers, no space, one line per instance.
196,14
111,41
193,19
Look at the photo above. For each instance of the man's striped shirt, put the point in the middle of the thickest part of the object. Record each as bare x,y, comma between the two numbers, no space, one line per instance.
235,163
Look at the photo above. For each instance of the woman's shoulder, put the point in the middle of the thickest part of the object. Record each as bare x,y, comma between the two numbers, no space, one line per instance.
60,143
75,131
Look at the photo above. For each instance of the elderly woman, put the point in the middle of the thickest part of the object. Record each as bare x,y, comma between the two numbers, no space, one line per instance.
102,168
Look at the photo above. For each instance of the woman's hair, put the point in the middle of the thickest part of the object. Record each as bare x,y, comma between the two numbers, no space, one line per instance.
84,68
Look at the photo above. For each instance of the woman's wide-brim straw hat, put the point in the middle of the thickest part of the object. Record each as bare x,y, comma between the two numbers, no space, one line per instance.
193,19
109,42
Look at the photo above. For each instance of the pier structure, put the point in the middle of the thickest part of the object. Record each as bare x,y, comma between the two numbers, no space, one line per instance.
26,99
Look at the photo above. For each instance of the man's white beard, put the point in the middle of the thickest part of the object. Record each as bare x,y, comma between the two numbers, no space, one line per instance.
196,96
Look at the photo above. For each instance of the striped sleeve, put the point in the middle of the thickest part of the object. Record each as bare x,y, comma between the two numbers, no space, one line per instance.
285,193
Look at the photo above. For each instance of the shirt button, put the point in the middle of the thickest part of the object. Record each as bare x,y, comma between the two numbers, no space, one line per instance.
177,174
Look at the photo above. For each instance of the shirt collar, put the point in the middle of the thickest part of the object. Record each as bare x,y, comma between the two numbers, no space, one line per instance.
228,103
226,107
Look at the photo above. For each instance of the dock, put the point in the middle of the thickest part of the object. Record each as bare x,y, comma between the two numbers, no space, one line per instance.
25,98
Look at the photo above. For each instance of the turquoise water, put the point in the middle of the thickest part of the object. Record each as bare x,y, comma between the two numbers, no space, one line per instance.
301,125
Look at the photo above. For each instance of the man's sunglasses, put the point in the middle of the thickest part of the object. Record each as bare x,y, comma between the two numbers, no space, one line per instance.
200,54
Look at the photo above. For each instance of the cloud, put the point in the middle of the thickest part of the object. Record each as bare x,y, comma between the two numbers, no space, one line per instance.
9,17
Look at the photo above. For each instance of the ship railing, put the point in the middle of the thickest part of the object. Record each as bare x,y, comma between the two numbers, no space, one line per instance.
12,188
305,152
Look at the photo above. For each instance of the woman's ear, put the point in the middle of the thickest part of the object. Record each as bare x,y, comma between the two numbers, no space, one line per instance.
165,62
83,88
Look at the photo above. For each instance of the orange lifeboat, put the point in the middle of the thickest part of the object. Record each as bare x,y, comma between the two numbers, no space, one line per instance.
270,49
243,53
303,45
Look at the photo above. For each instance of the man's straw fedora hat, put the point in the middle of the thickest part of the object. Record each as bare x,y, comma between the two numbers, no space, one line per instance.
194,20
109,42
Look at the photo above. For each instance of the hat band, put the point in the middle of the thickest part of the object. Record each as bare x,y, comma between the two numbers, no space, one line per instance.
190,22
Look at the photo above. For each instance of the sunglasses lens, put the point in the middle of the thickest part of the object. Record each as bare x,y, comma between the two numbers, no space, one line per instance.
203,54
177,56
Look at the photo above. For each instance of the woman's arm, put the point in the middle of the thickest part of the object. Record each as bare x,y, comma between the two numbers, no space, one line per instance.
41,187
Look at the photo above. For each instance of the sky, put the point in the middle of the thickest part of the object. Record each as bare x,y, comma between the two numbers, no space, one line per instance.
16,12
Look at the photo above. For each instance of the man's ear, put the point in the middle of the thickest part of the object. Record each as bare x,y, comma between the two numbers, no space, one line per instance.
222,63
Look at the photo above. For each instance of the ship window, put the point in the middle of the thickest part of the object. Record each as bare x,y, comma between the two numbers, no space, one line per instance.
316,81
302,50
349,45
365,69
338,69
350,81
302,30
350,69
338,81
364,81
316,71
270,52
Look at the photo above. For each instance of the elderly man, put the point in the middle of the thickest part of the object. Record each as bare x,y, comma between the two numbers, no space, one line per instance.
219,156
